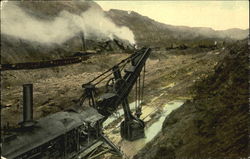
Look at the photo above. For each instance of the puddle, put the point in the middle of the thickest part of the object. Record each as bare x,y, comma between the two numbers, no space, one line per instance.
131,148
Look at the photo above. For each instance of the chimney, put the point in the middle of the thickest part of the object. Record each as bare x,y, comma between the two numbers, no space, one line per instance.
27,106
84,48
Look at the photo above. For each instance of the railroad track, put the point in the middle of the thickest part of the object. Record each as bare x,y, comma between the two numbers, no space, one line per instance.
47,63
50,63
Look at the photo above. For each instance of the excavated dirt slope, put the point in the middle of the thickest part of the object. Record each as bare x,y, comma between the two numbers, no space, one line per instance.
215,123
170,75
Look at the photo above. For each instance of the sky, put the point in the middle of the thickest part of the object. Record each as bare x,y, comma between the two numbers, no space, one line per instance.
219,15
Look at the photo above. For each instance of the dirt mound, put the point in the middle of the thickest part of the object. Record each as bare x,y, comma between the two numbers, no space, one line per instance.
214,123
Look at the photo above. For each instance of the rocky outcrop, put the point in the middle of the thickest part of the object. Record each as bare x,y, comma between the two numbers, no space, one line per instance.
215,123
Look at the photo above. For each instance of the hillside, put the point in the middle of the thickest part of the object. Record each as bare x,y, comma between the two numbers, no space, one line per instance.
215,123
150,32
50,30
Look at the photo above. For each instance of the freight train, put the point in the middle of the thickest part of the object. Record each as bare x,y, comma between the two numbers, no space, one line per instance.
77,58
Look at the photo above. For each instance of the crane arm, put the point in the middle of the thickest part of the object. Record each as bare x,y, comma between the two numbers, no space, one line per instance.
107,103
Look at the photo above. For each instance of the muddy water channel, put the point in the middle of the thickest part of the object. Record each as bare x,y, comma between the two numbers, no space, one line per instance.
153,119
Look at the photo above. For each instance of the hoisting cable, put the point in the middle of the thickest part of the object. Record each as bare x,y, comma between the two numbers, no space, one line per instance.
82,99
136,97
120,67
141,93
138,111
143,81
128,59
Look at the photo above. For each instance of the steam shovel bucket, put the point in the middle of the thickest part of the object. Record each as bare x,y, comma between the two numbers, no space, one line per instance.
132,129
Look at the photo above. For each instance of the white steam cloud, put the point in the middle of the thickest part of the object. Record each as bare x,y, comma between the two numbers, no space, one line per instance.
15,22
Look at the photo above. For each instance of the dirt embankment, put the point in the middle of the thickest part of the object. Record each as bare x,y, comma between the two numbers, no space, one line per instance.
215,123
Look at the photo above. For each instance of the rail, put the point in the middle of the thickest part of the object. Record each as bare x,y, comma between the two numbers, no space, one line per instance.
44,64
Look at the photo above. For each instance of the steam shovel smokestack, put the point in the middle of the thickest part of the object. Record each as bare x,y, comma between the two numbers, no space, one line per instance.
27,106
84,48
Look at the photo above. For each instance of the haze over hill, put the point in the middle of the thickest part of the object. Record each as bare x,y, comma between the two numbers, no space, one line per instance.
145,29
49,30
219,15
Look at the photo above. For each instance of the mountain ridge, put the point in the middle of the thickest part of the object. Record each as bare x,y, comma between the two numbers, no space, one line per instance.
122,17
